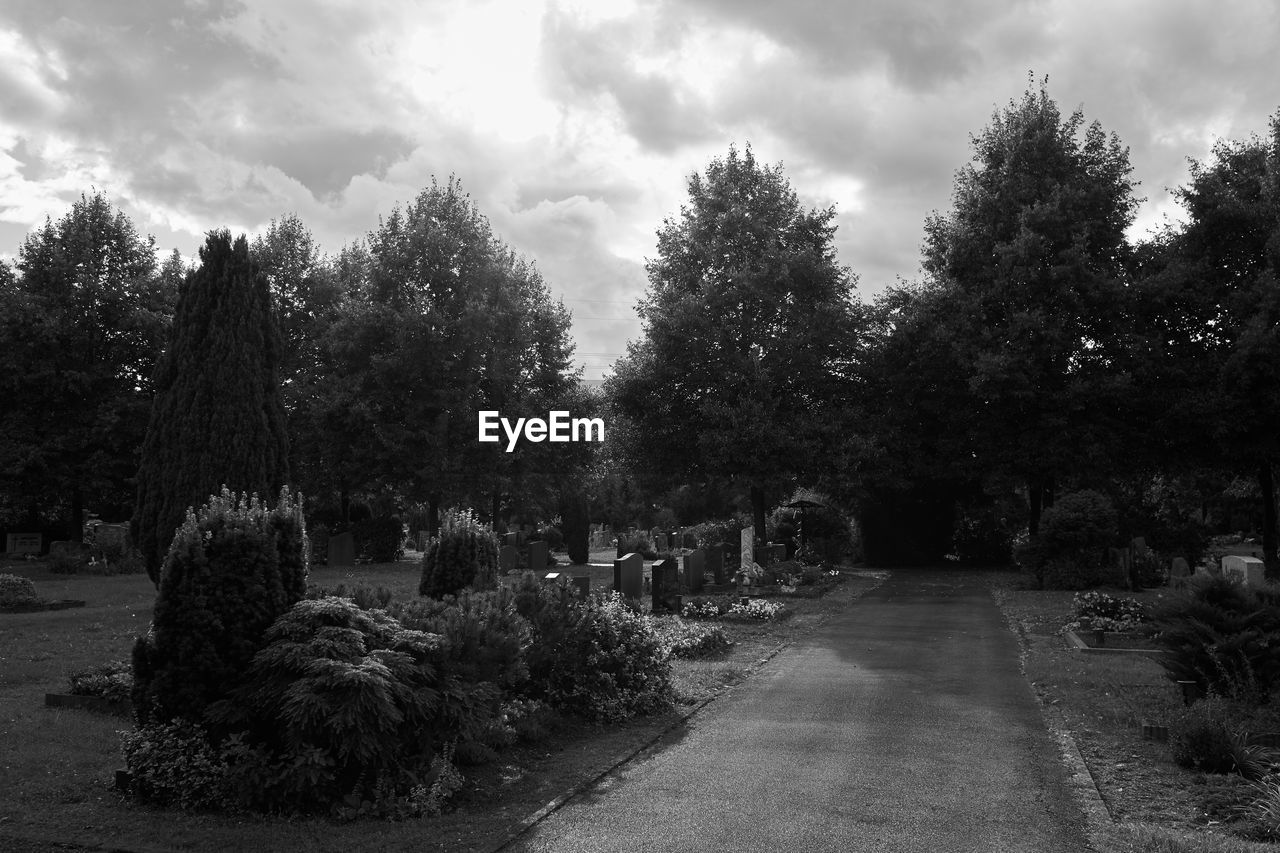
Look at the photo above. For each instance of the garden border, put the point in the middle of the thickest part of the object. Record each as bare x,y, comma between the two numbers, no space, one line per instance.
1073,640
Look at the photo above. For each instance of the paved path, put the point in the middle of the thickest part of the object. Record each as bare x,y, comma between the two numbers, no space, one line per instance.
902,725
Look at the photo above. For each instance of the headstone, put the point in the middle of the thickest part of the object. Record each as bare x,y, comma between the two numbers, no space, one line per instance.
582,586
774,552
342,549
538,556
715,562
68,548
511,539
694,567
508,556
628,576
660,543
748,547
1139,545
111,536
666,586
1249,570
1179,569
519,543
23,543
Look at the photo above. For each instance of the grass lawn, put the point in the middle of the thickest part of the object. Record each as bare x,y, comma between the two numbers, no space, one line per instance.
1103,701
57,765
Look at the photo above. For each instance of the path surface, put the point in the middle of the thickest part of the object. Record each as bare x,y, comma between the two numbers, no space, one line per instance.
901,725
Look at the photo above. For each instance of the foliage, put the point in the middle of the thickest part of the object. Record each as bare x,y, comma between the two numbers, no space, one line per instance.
636,543
174,764
81,327
364,596
981,538
1223,636
552,536
737,354
484,637
464,553
216,417
380,539
1201,738
17,590
730,607
110,681
1108,612
233,568
1264,808
345,707
682,640
1068,551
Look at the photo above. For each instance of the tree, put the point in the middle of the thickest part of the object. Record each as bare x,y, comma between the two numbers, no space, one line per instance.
1035,252
749,327
216,419
80,331
1212,293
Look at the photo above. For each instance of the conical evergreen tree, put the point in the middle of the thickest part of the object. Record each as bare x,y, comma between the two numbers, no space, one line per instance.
216,418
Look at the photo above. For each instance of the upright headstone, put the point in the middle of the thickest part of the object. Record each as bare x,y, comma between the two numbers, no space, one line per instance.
538,556
694,566
666,586
23,543
1248,570
111,536
68,548
508,556
1180,569
715,562
342,549
774,552
628,576
748,549
660,543
511,539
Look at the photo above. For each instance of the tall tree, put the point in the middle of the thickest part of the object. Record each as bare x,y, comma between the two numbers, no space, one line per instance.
749,326
1034,248
216,419
1212,294
80,330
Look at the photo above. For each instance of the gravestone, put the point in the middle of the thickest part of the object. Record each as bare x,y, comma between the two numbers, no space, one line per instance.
111,536
715,562
342,549
694,567
582,586
1249,570
23,543
660,543
68,548
748,550
538,556
666,587
510,539
628,576
1180,569
508,556
774,552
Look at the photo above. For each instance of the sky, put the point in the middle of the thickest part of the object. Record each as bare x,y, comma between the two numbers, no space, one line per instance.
575,124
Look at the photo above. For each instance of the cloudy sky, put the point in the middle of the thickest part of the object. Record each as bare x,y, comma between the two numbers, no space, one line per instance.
575,123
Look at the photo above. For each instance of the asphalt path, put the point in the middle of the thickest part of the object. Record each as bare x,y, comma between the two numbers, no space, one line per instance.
903,724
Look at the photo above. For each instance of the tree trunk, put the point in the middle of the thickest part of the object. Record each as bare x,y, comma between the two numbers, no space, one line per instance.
433,514
77,515
757,511
1266,481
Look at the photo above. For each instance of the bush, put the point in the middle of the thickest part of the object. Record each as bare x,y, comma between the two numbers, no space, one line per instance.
484,637
1068,552
1223,636
174,764
464,553
112,681
981,539
597,658
68,563
1202,738
636,544
1148,570
380,539
345,707
683,640
16,590
230,572
552,536
365,597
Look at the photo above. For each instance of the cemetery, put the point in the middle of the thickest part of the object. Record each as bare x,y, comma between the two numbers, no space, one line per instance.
308,596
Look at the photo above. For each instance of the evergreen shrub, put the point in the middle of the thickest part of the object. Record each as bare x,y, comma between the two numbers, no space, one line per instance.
464,553
1223,636
1069,550
233,568
16,590
483,637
